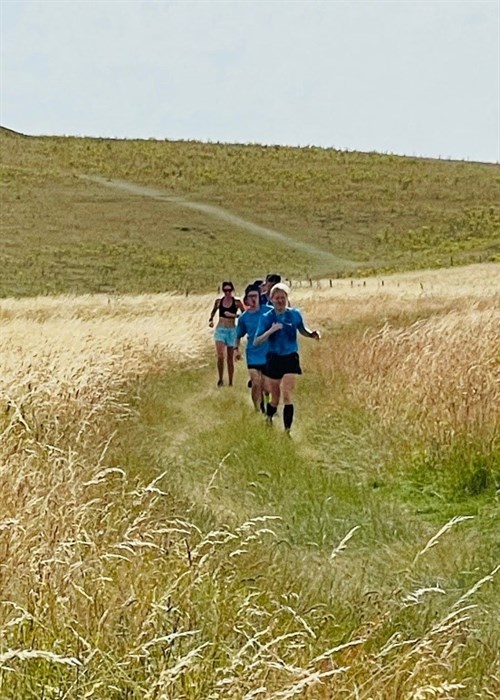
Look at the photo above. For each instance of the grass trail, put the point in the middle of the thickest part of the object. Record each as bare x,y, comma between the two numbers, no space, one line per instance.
353,520
341,470
256,553
328,261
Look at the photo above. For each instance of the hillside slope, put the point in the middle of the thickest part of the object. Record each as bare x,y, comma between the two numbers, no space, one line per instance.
376,212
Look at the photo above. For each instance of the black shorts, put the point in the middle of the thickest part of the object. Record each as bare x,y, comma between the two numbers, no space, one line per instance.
259,368
279,365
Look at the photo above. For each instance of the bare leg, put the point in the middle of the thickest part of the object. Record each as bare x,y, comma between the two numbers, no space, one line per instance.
256,378
230,364
275,391
266,394
288,386
219,349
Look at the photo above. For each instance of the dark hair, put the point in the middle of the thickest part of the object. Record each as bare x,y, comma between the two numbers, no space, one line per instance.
252,288
257,283
273,278
228,284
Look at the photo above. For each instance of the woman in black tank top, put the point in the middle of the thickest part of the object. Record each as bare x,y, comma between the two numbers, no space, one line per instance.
225,332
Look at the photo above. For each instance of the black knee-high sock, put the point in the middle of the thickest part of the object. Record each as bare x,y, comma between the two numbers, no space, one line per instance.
288,415
271,410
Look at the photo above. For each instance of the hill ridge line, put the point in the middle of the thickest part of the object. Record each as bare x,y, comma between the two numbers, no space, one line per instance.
222,215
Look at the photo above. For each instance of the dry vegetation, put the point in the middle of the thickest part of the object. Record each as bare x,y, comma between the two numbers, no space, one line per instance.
159,568
110,590
432,367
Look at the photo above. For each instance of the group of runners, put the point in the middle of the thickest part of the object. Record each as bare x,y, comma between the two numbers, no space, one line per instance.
270,325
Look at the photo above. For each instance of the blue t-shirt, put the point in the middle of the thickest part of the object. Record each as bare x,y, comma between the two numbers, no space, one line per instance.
248,323
284,341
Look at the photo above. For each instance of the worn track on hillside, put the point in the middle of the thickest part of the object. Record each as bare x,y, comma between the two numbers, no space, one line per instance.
330,261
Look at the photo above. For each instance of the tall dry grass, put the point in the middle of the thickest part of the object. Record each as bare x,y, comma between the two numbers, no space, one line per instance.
437,377
441,373
107,590
64,364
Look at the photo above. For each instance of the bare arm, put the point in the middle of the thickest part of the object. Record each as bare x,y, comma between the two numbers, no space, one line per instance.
241,332
258,340
212,313
240,305
307,333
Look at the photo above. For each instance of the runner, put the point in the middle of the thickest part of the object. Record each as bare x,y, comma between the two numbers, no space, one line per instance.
266,286
255,356
225,331
279,327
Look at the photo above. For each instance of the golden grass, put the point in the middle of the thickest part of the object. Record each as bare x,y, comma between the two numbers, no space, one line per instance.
443,373
108,591
423,354
419,292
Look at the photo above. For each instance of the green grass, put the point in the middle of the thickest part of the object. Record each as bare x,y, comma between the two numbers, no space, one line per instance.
353,502
340,471
70,236
200,524
379,212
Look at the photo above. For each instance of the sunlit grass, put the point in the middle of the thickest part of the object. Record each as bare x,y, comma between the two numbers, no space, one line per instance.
378,212
159,541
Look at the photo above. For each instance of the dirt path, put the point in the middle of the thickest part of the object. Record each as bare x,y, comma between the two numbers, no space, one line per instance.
329,260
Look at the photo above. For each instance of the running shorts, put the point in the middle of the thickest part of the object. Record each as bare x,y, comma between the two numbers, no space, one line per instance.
279,365
259,368
226,336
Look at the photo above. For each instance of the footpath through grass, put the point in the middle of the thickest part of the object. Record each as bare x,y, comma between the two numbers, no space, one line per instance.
356,522
369,213
157,540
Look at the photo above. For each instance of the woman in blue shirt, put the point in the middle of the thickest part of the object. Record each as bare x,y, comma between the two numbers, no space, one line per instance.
256,356
278,327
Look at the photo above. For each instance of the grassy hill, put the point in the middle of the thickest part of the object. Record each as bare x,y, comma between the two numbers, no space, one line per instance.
377,213
158,539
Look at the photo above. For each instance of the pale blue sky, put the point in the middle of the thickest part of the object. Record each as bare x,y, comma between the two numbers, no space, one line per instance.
411,77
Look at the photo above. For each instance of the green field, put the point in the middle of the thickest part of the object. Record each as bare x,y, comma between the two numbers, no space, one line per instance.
377,213
158,541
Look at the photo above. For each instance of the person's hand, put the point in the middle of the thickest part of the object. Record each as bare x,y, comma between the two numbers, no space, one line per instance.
211,323
316,335
276,327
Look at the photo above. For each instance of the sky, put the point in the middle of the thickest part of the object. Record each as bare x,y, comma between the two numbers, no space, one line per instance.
418,78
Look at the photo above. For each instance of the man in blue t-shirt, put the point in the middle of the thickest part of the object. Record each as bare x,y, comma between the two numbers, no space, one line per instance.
256,356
